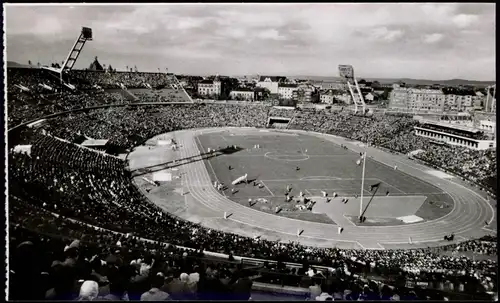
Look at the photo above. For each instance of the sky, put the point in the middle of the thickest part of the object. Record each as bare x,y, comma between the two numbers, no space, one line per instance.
380,40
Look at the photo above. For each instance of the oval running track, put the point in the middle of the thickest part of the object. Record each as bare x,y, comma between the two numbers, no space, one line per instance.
467,218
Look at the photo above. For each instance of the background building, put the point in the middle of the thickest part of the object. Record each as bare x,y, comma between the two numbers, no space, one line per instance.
271,83
210,87
432,100
242,94
305,93
326,97
285,90
490,102
398,97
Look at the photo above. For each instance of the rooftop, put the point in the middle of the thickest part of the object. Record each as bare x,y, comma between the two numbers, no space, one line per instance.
273,78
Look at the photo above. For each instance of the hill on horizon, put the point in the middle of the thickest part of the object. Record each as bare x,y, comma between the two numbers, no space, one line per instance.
451,82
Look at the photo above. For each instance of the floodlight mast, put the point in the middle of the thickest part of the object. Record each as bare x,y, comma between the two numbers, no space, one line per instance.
85,35
346,72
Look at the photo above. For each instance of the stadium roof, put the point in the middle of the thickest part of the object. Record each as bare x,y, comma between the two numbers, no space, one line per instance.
452,126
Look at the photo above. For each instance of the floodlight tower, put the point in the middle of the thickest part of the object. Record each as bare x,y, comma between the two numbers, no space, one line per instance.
490,105
85,35
346,72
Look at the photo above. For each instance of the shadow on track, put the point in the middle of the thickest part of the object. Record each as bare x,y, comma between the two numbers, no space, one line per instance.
183,161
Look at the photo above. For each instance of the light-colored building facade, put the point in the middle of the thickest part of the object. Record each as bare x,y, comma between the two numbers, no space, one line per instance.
305,93
452,139
271,83
398,98
369,97
344,97
326,97
241,94
429,100
285,90
338,85
487,126
209,88
426,100
490,103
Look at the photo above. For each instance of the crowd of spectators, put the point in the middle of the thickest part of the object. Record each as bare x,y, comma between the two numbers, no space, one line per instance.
34,93
90,264
94,188
282,112
59,177
107,79
486,246
476,166
163,95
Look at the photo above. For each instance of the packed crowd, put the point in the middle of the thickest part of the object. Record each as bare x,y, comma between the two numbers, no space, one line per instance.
56,176
127,126
90,264
34,93
282,112
130,80
165,95
487,245
94,188
477,166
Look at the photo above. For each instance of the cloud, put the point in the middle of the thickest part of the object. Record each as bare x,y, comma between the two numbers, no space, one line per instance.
433,38
264,38
270,34
464,21
383,33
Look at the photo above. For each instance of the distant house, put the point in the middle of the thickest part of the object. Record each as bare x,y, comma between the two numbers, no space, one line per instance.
271,83
369,97
242,94
210,87
326,97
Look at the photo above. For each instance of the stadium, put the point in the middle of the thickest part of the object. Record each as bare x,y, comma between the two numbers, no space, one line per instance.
125,168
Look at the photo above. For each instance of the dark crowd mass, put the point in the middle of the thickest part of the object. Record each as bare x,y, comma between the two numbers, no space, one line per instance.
79,229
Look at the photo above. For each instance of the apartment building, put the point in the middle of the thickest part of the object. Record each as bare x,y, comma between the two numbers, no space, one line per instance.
398,98
337,85
285,90
429,100
426,100
305,93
